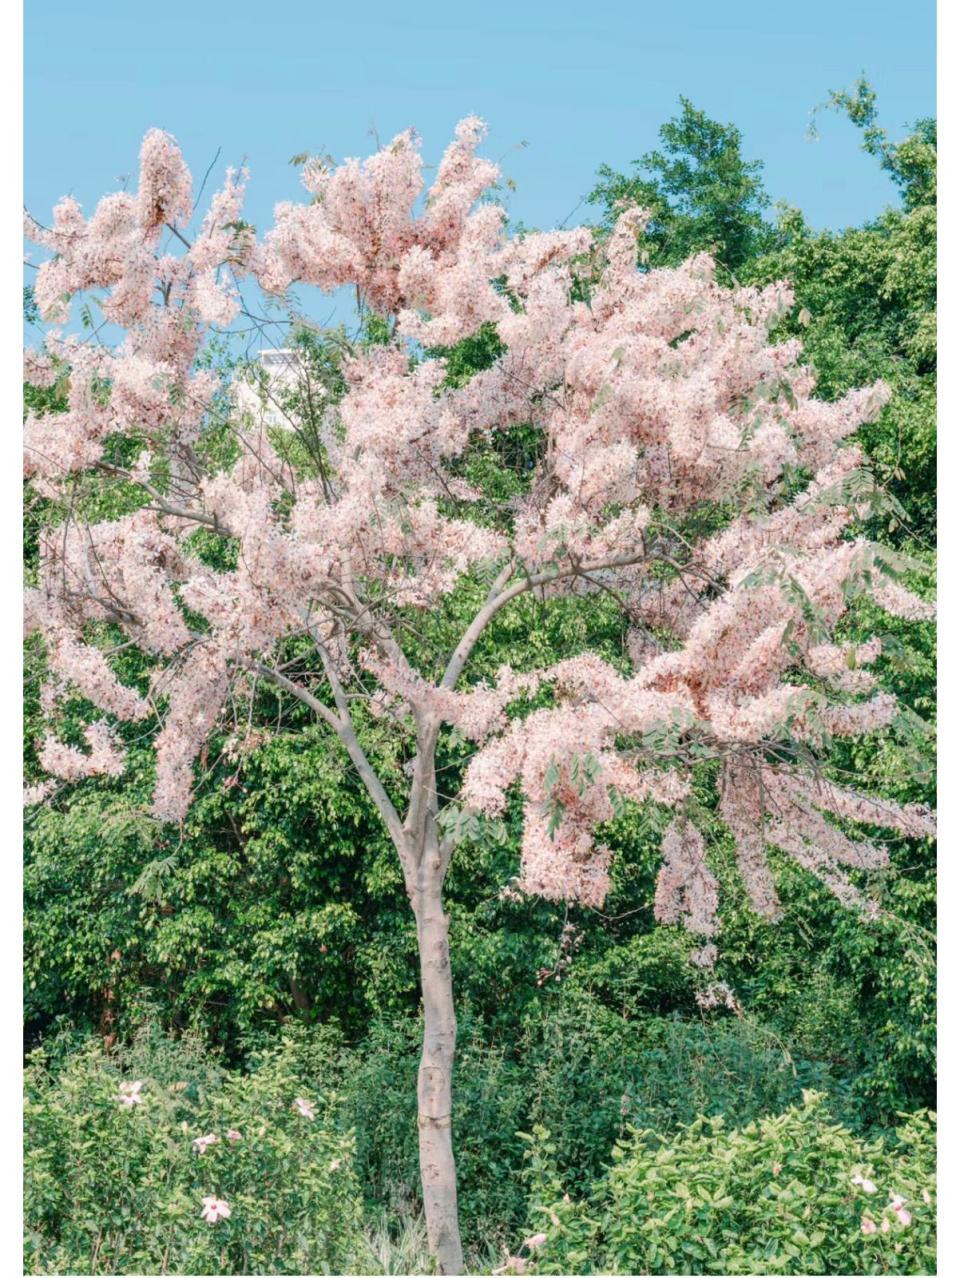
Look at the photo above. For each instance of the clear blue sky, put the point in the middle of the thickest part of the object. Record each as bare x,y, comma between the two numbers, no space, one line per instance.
581,85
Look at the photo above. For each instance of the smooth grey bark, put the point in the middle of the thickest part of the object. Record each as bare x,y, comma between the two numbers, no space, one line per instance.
438,1173
429,856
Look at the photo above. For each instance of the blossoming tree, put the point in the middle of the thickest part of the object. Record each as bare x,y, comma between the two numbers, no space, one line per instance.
681,468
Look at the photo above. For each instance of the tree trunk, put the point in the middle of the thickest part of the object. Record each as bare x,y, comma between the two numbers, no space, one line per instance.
438,1172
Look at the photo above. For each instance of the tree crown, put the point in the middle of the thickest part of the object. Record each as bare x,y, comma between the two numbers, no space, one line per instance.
651,445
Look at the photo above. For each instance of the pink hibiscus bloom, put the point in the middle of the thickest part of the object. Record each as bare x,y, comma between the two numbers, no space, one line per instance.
215,1209
130,1094
867,1186
900,1209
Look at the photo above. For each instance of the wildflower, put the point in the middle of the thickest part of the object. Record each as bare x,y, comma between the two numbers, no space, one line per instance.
514,1265
867,1186
868,1226
305,1107
233,1135
202,1142
885,1226
215,1209
536,1240
130,1094
336,1164
926,1197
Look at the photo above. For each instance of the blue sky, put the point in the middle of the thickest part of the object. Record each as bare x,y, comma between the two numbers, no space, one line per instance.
579,85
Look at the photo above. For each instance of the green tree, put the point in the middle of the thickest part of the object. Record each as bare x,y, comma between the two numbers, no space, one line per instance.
700,190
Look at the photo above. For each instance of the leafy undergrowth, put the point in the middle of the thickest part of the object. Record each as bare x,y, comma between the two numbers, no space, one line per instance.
792,1193
306,1158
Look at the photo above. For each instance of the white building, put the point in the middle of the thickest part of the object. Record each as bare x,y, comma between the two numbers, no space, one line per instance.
261,396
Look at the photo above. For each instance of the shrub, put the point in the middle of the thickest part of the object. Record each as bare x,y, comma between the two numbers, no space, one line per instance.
795,1193
575,1068
114,1182
593,1073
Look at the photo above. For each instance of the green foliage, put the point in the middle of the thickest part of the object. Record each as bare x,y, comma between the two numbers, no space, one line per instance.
112,1189
868,306
912,164
241,922
774,1196
866,300
701,193
573,1066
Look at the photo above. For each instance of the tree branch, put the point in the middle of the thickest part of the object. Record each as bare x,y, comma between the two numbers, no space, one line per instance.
297,690
493,605
342,725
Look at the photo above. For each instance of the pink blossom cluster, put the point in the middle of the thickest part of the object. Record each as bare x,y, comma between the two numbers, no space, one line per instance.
104,757
660,394
687,889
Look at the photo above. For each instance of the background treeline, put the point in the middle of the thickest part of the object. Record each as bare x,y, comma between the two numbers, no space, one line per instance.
273,933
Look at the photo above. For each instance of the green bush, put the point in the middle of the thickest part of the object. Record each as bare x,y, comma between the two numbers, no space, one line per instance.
593,1073
575,1068
779,1195
115,1187
111,1188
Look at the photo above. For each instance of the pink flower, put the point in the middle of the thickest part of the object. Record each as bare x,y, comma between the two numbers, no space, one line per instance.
535,1240
868,1226
233,1135
215,1209
514,1265
202,1142
305,1107
867,1186
336,1164
130,1094
900,1209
